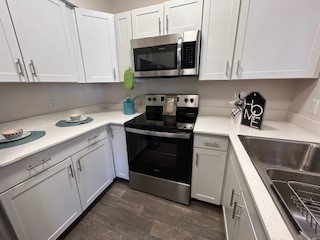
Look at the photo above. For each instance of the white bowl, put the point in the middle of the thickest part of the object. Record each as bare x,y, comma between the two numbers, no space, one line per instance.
12,133
75,117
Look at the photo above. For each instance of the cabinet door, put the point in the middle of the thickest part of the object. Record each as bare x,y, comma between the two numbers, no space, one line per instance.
124,35
93,171
231,195
119,149
45,205
178,20
244,227
207,175
278,39
220,18
11,63
147,21
98,45
44,37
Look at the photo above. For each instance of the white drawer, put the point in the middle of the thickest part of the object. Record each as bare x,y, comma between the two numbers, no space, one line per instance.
211,142
26,168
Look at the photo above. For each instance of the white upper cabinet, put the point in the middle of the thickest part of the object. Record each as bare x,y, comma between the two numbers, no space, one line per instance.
124,35
278,39
182,15
219,31
44,36
147,21
98,45
11,63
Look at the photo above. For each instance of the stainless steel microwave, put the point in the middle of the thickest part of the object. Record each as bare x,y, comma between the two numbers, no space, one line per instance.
168,55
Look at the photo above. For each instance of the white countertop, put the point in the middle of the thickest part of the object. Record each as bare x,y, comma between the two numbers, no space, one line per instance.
271,218
54,135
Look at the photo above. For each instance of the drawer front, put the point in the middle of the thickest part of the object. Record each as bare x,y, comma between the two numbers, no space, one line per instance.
211,142
30,166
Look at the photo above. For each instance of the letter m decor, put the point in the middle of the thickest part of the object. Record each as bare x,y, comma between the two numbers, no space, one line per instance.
253,111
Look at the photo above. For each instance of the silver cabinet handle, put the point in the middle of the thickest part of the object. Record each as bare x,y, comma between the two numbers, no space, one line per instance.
92,138
42,162
167,24
197,160
211,144
71,170
228,70
238,72
232,196
159,26
79,165
114,73
33,69
19,67
236,206
111,132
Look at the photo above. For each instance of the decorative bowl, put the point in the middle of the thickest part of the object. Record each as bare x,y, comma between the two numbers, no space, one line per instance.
75,117
12,133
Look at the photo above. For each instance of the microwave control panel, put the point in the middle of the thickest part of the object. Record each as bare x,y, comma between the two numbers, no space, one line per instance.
188,55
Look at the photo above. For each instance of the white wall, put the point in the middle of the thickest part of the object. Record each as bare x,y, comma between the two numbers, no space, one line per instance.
19,100
305,91
214,95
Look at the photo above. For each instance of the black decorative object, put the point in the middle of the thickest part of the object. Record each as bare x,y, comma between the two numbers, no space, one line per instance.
253,110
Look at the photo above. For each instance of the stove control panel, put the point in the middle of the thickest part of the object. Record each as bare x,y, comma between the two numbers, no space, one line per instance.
182,100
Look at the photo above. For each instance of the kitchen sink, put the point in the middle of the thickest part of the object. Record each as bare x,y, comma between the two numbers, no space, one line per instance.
291,172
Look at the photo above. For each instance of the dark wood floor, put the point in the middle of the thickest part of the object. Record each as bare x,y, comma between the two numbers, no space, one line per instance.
123,213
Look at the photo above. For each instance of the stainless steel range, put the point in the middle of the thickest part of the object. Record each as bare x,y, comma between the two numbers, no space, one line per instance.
160,146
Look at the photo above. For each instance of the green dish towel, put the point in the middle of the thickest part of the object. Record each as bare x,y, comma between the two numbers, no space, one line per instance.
128,79
64,123
33,136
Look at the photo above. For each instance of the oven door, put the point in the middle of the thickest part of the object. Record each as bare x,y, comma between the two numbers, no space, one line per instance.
160,154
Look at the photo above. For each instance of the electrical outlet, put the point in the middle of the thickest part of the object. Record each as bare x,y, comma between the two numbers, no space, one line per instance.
314,106
52,105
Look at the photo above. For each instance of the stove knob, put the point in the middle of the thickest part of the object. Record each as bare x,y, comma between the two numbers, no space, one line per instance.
191,100
186,99
149,99
154,99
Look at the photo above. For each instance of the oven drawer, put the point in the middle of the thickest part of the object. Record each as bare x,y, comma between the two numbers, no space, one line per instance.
211,142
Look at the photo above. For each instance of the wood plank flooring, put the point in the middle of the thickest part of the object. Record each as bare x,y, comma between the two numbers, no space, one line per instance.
123,213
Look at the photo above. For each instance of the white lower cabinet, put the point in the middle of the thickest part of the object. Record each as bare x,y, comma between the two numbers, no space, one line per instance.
208,169
238,207
119,148
93,171
45,205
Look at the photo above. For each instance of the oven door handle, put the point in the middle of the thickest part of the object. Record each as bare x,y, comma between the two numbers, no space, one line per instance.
159,134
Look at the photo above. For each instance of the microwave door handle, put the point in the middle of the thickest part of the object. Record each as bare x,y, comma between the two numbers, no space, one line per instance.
179,55
158,134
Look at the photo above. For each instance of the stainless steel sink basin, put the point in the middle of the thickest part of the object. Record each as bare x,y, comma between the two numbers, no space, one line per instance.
291,172
290,154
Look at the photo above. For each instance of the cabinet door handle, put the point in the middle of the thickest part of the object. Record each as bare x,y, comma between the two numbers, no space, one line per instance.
71,171
232,196
33,69
19,67
111,132
79,165
42,162
211,144
228,70
236,206
159,26
114,73
238,72
197,160
167,24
